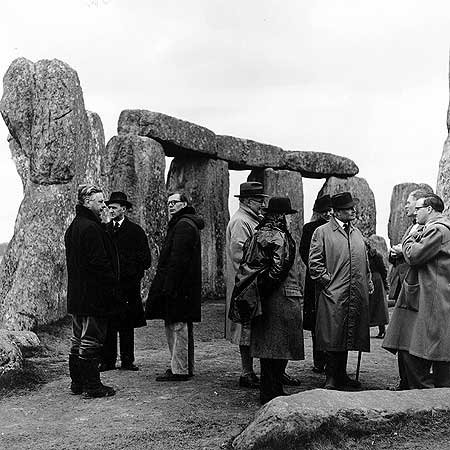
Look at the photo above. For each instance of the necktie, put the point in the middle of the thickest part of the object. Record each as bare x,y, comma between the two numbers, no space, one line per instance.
347,228
115,225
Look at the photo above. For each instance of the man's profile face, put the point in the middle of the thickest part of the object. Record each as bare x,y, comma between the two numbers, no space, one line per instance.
174,204
345,215
410,205
255,204
422,212
117,211
96,203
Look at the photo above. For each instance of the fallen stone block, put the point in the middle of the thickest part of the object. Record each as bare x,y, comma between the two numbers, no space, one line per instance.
11,359
27,341
295,421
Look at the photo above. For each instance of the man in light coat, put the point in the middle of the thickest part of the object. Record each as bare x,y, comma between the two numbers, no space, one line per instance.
338,263
400,267
419,328
240,227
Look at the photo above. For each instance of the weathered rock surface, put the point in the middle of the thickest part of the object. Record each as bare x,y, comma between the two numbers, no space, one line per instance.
244,154
177,136
11,359
366,212
181,138
27,341
285,183
379,244
136,166
207,182
297,421
51,143
319,164
398,221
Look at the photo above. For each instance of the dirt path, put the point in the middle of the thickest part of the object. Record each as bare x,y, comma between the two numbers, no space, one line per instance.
202,413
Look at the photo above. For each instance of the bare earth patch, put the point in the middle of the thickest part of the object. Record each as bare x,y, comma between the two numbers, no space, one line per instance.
205,412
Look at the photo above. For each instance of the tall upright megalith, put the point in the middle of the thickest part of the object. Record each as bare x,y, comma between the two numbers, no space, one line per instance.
207,182
50,141
136,165
398,221
366,219
285,183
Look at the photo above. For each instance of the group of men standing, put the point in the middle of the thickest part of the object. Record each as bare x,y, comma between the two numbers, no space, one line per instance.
107,255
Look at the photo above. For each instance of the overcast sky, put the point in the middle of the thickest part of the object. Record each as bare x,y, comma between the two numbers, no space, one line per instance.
362,79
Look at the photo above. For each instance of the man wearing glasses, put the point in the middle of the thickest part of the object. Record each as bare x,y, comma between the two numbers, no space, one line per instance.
419,324
175,293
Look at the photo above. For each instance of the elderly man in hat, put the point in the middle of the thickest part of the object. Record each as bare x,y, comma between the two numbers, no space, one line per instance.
240,227
322,213
339,265
134,258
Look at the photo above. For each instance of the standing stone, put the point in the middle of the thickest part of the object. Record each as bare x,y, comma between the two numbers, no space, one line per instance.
398,221
366,220
443,181
136,166
51,142
207,182
285,183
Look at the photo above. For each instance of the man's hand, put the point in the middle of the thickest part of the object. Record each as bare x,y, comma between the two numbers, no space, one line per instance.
371,287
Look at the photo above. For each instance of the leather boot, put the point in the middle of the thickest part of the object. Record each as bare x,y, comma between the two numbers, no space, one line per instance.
76,385
331,370
344,379
93,387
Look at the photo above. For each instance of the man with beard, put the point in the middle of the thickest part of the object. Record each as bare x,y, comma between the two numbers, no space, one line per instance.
338,264
322,210
175,293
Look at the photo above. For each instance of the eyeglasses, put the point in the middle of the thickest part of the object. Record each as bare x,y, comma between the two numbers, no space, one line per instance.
257,200
173,202
419,207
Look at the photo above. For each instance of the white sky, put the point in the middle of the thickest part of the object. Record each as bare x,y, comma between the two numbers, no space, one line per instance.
358,78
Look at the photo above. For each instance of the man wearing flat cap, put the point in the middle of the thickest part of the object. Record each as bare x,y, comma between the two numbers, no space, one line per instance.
240,227
134,258
339,265
322,212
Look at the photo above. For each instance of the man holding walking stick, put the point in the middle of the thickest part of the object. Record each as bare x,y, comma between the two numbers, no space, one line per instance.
339,266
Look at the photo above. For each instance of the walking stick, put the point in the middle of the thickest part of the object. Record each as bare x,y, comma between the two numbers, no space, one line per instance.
358,366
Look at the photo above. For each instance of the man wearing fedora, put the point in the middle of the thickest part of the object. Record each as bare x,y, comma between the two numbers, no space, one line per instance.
134,258
240,227
339,265
322,213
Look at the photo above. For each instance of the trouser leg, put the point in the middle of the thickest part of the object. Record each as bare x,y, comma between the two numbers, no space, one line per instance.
190,348
109,351
441,373
126,343
76,385
417,371
177,338
246,360
75,340
279,366
319,357
403,384
93,335
266,392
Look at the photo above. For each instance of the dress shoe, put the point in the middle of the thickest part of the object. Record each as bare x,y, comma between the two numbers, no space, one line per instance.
348,382
287,380
130,366
331,383
249,381
170,376
103,367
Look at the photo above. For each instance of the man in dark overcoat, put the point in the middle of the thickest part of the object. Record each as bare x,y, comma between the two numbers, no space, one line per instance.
134,258
175,293
322,211
92,290
338,264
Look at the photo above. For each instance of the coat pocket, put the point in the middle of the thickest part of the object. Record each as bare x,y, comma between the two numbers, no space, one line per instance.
410,298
